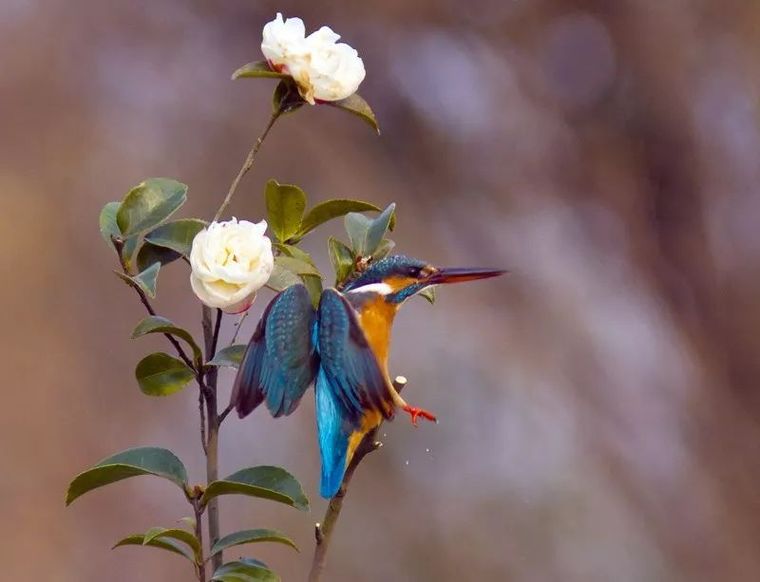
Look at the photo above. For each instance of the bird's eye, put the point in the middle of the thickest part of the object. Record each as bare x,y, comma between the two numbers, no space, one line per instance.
414,272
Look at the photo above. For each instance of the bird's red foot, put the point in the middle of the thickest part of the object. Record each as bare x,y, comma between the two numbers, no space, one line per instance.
415,412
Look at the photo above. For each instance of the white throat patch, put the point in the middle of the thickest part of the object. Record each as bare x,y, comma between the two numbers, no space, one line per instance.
381,288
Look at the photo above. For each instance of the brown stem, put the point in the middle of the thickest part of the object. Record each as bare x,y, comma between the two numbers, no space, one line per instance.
211,338
200,568
248,164
119,245
323,531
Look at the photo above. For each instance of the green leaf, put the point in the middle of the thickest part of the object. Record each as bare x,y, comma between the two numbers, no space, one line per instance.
130,248
145,280
150,254
160,374
249,536
383,249
129,463
285,206
231,356
257,69
189,521
297,266
107,221
181,535
295,252
358,106
148,204
313,285
266,482
378,228
168,545
330,209
158,324
176,235
342,259
429,294
286,97
281,278
244,570
357,227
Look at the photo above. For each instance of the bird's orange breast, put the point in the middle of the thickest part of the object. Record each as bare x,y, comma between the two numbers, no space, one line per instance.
376,319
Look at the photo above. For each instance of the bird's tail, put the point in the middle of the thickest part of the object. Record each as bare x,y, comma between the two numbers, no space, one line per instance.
339,435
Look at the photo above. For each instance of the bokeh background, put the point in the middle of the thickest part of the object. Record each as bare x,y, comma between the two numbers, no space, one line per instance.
599,406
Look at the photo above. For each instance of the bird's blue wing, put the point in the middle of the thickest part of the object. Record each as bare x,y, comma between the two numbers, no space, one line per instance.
352,392
280,361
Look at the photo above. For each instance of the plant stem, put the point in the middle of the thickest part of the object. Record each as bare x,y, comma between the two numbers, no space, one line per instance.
323,531
248,164
199,534
211,338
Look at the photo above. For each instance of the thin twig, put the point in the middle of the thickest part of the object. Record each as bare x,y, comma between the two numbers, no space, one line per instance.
202,411
119,245
225,412
323,531
238,325
248,164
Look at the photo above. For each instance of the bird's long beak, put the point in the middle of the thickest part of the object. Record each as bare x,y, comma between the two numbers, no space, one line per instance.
460,275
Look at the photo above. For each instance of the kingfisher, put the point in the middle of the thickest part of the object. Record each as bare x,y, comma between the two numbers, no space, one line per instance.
342,347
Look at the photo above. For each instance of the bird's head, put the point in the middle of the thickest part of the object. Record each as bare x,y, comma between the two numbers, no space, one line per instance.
399,277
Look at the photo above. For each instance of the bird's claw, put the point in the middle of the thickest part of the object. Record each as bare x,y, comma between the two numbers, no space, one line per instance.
415,412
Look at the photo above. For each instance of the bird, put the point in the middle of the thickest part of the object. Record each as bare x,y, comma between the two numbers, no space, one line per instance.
342,347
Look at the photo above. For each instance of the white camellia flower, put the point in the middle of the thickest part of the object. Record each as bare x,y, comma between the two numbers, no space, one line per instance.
230,261
323,68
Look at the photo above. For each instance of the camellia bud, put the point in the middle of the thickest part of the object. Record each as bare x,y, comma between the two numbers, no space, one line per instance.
230,261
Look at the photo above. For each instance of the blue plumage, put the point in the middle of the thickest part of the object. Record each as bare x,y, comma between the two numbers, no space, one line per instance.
350,385
281,359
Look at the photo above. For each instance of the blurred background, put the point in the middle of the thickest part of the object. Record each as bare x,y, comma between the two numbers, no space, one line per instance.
599,406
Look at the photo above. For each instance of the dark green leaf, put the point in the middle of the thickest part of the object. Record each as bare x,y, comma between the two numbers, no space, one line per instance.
107,220
384,249
378,228
145,280
428,293
176,235
358,106
168,545
129,463
160,374
148,204
249,536
266,482
158,324
286,97
244,570
257,69
181,535
342,259
285,206
357,226
297,266
313,285
130,248
282,278
231,356
150,254
325,211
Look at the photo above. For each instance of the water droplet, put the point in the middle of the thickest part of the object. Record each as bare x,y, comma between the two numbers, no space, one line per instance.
385,435
427,450
406,462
